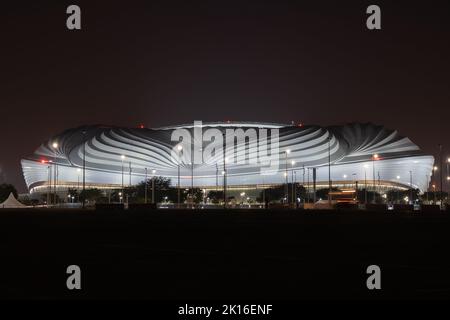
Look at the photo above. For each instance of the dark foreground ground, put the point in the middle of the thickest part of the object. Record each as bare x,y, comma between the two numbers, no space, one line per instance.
224,255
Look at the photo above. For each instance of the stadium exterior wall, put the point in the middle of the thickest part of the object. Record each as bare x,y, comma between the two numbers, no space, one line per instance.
256,154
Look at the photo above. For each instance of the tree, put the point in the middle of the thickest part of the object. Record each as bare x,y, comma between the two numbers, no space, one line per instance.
323,193
273,194
51,197
91,194
371,195
215,196
197,194
162,189
72,193
300,193
431,196
130,194
398,196
5,190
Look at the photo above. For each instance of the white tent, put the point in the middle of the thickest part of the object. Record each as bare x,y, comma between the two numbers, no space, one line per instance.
11,202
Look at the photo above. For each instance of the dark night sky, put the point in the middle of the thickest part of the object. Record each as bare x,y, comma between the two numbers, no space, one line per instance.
172,62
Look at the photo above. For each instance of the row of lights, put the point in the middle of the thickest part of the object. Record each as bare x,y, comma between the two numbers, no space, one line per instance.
288,151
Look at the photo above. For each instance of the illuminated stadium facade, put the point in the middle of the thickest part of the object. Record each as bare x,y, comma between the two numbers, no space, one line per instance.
257,154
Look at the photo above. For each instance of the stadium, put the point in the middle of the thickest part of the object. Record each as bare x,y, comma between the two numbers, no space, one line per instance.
257,155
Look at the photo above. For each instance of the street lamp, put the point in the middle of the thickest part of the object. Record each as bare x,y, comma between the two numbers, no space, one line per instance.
410,188
448,175
55,169
78,183
441,165
287,151
448,172
329,170
84,164
355,180
129,175
217,177
374,157
153,186
434,193
435,168
292,178
365,183
224,172
179,148
49,180
307,186
122,157
145,187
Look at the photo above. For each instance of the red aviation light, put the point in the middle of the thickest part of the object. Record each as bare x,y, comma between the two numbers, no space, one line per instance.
141,126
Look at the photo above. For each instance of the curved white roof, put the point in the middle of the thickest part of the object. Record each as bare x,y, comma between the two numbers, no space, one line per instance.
351,149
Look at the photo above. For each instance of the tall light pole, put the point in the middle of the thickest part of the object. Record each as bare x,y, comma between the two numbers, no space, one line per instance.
179,148
329,170
410,188
192,178
309,196
49,188
303,184
78,184
55,148
374,157
130,173
129,185
293,183
448,179
441,165
365,183
217,177
224,171
434,193
145,186
153,186
84,166
286,152
435,168
263,192
122,157
448,172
